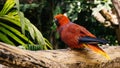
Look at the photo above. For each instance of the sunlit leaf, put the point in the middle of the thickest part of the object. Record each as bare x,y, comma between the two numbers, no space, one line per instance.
7,32
15,31
48,44
8,5
18,20
30,28
10,19
4,38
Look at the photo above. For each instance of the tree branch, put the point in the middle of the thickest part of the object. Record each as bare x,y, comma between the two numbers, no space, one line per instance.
110,18
116,4
63,58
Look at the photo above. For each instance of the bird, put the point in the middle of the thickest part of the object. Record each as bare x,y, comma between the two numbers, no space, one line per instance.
77,36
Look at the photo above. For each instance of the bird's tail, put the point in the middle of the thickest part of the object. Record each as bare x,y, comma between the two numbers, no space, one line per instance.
98,50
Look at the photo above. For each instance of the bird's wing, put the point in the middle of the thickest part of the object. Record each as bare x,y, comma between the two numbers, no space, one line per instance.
91,40
85,32
87,37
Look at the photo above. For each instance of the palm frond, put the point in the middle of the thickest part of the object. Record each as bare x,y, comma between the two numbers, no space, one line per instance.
7,6
16,18
15,31
4,38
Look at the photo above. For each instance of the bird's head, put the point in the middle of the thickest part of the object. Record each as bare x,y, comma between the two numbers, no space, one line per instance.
61,20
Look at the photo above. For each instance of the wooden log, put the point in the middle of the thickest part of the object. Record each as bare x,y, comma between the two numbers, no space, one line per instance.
64,58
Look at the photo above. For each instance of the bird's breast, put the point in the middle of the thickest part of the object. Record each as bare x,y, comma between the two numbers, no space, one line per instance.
70,38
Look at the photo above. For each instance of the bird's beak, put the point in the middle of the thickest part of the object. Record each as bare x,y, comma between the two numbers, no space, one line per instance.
56,22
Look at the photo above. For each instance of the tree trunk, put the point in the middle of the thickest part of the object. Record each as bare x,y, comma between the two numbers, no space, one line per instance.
116,4
17,58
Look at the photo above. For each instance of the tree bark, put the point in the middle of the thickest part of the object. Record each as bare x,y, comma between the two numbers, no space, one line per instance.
109,19
116,4
64,58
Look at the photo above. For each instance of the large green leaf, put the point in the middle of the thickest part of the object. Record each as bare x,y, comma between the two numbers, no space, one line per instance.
4,38
15,31
7,32
16,18
21,15
8,5
10,19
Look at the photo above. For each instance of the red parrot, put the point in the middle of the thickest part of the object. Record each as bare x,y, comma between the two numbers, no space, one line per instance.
76,36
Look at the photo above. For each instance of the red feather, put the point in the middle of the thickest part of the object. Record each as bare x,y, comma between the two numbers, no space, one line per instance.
70,34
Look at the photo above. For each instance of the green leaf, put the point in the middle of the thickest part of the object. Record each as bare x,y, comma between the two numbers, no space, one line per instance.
39,36
30,28
8,5
45,48
54,26
48,44
17,5
4,38
34,48
22,21
7,32
10,19
15,31
34,32
17,18
21,15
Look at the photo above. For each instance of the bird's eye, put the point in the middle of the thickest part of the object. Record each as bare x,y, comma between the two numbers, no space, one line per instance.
56,22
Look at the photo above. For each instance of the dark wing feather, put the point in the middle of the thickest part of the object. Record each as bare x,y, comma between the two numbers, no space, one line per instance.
91,40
